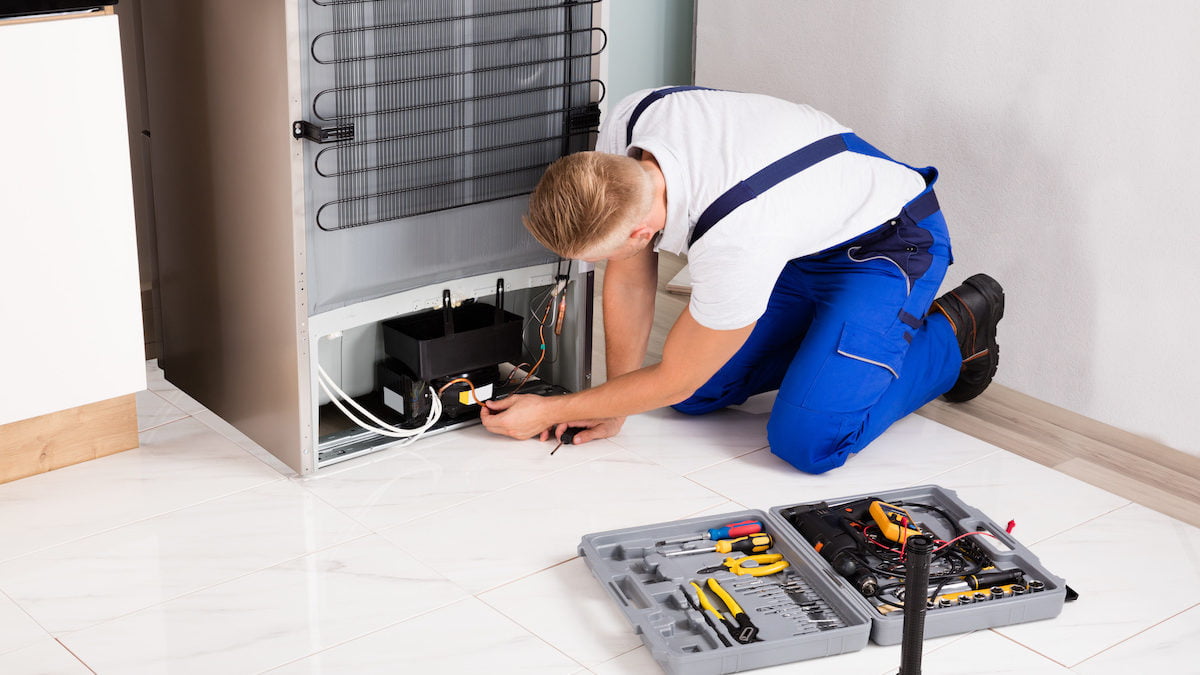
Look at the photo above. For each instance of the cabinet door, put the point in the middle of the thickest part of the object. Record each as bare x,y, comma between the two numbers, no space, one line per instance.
70,318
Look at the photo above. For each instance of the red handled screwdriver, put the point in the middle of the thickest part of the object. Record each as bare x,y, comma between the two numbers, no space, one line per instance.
730,531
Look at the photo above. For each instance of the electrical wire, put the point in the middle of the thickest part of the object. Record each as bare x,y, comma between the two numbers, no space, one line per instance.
337,396
945,545
512,372
542,357
460,379
553,295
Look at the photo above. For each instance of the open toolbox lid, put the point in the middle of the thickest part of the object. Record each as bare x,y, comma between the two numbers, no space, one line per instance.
956,518
649,587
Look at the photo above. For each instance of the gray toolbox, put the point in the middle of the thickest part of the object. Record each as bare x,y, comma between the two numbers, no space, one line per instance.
810,609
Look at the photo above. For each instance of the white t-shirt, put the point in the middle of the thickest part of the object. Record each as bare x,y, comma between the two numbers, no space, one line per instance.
706,142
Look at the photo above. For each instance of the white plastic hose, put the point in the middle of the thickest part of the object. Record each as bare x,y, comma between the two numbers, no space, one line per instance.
337,396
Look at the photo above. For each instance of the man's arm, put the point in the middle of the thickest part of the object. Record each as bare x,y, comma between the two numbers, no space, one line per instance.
691,355
629,288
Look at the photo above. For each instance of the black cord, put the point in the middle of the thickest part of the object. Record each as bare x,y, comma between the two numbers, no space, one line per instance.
938,510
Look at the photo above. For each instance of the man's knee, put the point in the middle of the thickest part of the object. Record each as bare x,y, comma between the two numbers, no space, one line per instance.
809,440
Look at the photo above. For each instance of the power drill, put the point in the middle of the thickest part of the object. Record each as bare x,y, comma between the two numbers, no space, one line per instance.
828,530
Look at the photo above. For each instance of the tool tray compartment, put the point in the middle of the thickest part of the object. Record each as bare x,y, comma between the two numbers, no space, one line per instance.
807,610
648,587
950,518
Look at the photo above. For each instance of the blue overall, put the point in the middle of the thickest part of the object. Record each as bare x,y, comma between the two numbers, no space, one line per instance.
844,337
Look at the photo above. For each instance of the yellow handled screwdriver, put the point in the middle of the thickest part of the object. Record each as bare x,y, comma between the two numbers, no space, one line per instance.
753,543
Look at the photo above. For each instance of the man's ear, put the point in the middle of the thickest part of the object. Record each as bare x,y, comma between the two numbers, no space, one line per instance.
642,233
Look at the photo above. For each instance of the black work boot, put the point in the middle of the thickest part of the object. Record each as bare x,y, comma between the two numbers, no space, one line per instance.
974,309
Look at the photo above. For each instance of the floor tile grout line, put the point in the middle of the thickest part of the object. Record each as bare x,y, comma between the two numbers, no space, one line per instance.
46,633
622,654
143,519
212,585
958,637
717,463
1090,520
1085,521
161,397
1127,639
336,508
526,576
994,630
76,656
366,634
712,490
163,424
532,632
552,566
503,489
966,464
239,445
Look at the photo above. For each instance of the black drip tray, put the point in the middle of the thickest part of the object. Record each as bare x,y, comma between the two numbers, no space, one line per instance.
481,335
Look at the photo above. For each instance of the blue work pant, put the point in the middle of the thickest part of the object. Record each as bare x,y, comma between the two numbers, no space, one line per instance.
846,342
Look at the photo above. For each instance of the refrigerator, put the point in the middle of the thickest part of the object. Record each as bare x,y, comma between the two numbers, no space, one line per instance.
321,167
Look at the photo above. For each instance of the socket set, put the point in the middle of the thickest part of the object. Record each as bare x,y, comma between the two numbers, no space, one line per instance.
706,597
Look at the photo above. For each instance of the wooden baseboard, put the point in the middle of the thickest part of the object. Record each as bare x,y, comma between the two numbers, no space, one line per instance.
1129,465
67,437
99,11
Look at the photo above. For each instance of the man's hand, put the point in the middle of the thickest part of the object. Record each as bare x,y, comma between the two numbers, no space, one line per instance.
593,430
520,416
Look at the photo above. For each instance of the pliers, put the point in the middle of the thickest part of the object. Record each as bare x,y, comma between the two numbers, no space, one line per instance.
764,565
740,628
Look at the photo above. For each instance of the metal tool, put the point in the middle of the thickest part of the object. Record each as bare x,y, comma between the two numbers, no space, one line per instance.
567,438
704,611
732,530
754,543
764,565
740,628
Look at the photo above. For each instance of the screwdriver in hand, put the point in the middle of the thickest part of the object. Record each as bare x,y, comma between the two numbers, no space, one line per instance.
724,532
568,437
754,543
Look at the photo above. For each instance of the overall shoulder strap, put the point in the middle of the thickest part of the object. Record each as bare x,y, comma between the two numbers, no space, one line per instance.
650,99
790,165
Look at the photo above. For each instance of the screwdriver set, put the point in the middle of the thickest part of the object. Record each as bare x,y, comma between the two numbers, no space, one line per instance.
744,590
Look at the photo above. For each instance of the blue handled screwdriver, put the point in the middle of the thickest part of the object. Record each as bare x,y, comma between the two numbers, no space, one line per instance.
730,531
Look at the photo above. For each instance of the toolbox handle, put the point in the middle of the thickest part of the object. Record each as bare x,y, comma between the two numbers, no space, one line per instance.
447,314
619,593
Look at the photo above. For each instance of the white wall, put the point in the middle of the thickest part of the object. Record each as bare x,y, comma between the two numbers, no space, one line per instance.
1068,139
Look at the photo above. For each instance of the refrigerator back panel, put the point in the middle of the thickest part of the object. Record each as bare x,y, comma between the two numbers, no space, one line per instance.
428,123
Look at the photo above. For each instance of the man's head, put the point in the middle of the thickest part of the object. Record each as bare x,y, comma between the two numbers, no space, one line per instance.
594,206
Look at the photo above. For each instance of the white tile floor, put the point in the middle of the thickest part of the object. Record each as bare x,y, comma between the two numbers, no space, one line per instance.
199,553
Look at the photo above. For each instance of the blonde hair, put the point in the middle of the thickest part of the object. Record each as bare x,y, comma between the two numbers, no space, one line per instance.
583,200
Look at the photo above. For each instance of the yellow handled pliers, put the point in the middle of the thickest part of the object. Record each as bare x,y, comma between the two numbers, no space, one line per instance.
740,628
765,564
